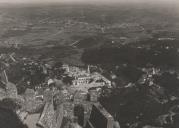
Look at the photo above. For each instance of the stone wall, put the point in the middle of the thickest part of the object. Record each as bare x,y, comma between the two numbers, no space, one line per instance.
51,118
99,118
59,115
46,118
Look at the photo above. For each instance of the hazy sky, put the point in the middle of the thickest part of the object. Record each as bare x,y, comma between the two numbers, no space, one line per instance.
37,1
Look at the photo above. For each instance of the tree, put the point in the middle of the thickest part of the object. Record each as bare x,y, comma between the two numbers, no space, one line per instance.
9,119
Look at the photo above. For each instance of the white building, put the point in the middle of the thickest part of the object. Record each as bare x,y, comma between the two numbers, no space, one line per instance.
81,80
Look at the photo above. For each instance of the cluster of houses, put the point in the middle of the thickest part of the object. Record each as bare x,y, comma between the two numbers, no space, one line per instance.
84,79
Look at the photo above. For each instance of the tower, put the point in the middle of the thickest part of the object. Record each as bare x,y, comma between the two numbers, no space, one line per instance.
88,70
